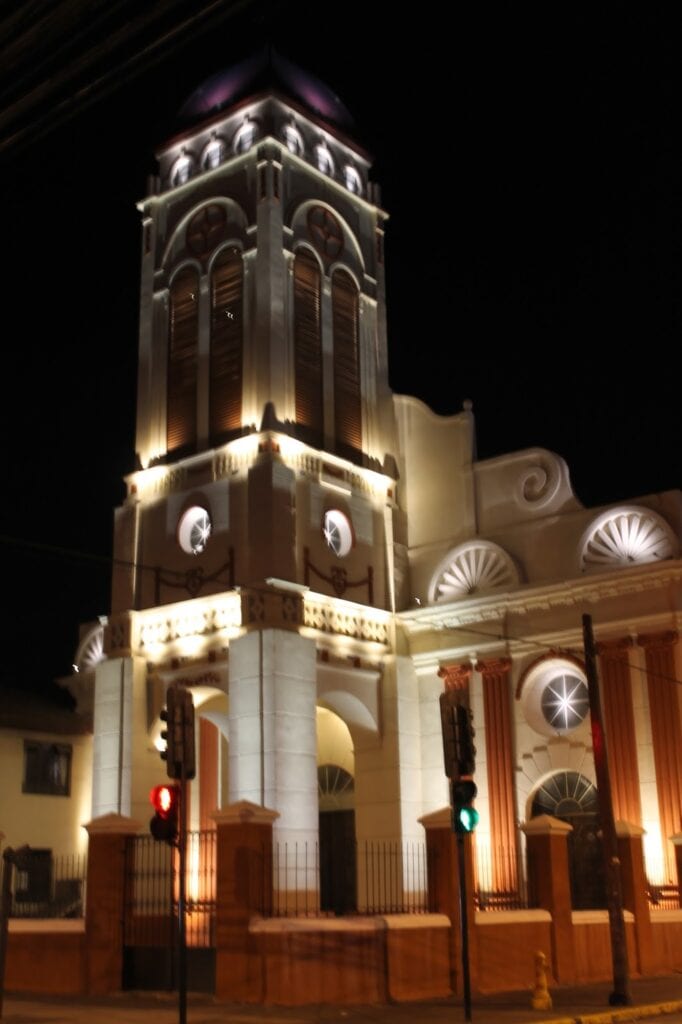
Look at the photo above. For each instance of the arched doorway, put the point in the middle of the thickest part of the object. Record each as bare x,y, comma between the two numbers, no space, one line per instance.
571,797
336,796
338,885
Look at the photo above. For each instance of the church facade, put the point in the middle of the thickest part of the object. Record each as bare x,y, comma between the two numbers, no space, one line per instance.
317,558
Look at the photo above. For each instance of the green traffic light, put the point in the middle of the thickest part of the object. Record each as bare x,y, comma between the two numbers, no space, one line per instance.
468,818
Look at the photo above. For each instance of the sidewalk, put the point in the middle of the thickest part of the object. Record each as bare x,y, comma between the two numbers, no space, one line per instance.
651,996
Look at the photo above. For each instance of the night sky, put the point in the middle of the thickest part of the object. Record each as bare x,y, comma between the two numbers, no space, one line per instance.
531,164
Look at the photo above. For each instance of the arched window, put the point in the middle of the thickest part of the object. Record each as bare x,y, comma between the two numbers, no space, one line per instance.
347,405
308,346
181,415
227,342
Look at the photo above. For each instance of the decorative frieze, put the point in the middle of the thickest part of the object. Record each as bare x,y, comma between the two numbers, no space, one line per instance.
358,622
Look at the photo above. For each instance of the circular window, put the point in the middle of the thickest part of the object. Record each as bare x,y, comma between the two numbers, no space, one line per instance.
565,702
338,532
194,530
554,696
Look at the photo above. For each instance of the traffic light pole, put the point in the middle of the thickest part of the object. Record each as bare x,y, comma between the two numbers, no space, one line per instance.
464,923
182,868
614,894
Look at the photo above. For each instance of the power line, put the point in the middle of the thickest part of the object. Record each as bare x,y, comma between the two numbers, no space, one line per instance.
48,112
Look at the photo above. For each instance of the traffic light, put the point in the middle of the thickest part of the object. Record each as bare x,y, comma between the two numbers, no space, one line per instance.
163,825
178,714
448,724
466,751
464,814
170,734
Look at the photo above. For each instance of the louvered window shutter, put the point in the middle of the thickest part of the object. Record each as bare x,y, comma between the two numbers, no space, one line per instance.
308,345
347,404
181,420
227,343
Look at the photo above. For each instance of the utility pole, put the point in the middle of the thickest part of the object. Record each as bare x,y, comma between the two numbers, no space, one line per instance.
621,995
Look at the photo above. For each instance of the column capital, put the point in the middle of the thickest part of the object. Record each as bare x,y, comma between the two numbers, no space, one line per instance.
616,649
667,638
494,667
455,677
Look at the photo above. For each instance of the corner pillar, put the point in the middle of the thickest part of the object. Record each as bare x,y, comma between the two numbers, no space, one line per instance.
105,904
442,854
549,887
634,884
243,888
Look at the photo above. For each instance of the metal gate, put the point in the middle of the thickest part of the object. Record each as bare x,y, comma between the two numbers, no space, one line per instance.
586,863
150,918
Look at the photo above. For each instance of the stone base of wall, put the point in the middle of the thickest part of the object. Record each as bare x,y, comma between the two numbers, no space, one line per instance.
293,962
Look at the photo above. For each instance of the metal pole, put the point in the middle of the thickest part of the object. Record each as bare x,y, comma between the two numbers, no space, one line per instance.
463,917
5,907
621,995
182,938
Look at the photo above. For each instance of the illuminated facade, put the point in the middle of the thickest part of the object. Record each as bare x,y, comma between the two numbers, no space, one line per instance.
317,557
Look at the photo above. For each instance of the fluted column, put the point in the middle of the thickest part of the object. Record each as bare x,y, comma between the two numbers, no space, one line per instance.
666,732
500,759
619,720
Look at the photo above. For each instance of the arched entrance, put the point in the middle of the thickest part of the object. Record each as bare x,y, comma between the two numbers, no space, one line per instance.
336,796
573,798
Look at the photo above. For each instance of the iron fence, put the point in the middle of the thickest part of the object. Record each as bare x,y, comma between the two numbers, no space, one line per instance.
48,886
151,900
363,877
663,896
661,892
500,880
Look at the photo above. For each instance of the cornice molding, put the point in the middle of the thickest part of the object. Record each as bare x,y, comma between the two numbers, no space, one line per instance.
528,599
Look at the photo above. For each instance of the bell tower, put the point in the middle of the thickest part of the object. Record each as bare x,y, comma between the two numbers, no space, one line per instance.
265,422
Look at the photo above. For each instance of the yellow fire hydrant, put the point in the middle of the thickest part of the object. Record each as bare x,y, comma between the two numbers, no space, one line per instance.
541,1000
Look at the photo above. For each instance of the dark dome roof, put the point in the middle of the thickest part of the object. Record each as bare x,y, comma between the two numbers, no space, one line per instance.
265,69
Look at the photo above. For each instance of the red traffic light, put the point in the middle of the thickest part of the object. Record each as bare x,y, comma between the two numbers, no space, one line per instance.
165,800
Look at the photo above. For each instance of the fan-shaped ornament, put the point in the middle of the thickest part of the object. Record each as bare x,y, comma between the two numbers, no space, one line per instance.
471,568
91,649
627,536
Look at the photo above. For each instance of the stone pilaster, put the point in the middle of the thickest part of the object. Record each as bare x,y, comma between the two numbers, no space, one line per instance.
666,730
619,722
497,699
